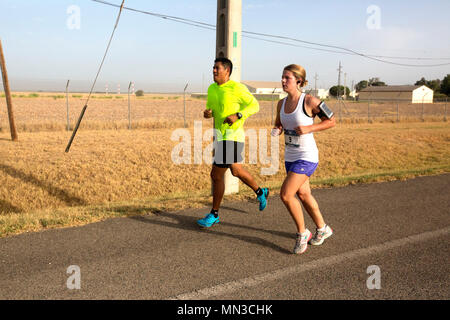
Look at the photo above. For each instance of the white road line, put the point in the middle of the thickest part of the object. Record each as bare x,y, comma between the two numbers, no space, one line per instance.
253,281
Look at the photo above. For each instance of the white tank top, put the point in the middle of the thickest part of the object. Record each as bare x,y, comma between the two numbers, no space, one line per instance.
298,147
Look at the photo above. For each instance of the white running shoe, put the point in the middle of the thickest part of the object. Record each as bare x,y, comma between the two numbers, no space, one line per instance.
301,243
320,236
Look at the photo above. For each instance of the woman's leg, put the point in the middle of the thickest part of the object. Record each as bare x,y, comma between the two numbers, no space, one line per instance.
310,204
291,185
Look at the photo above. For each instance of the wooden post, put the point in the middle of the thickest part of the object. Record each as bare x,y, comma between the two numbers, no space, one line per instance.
12,125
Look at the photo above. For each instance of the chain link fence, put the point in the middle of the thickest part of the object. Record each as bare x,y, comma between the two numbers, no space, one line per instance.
49,111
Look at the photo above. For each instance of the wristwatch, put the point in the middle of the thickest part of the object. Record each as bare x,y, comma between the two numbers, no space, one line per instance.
239,115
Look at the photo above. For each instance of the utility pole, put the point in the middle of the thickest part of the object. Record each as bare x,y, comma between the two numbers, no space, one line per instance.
339,90
353,87
345,85
315,85
203,82
228,45
339,80
12,125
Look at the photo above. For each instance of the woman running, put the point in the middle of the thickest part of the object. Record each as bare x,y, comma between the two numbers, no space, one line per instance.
295,116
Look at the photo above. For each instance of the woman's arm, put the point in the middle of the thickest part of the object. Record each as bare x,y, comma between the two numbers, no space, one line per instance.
278,127
278,119
312,105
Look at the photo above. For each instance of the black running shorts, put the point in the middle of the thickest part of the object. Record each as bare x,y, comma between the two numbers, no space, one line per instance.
228,152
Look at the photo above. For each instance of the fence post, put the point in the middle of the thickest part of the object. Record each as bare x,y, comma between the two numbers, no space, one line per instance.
184,99
445,110
129,107
398,112
339,110
272,104
67,105
368,111
422,110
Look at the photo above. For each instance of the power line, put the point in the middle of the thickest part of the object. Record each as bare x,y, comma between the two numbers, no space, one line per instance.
342,50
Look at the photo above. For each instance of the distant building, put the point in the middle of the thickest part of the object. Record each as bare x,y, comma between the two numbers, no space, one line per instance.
414,94
264,87
322,94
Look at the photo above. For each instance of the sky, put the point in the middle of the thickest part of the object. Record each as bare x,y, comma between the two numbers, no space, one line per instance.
47,42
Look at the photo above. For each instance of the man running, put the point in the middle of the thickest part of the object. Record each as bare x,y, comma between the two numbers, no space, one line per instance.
230,104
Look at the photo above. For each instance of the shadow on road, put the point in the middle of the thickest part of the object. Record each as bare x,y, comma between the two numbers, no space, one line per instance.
233,209
188,223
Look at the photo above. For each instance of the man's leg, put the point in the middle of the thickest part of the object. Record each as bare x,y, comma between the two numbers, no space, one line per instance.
240,172
262,194
217,176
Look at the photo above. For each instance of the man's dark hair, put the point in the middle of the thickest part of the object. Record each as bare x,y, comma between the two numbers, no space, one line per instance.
226,63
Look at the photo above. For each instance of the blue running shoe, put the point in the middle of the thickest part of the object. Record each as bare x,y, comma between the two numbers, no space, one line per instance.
263,199
208,221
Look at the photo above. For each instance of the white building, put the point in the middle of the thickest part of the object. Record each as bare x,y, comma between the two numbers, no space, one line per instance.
264,87
414,94
322,94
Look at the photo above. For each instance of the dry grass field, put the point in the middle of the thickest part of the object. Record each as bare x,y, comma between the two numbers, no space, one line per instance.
120,172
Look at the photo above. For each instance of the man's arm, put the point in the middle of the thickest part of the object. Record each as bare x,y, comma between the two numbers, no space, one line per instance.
249,104
207,114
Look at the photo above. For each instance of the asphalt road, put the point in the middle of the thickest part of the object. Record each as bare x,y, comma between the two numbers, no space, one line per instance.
401,227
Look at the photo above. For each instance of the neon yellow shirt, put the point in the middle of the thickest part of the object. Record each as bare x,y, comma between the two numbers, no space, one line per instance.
228,99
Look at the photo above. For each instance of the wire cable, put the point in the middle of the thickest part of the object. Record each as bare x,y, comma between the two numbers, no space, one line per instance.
342,50
95,81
